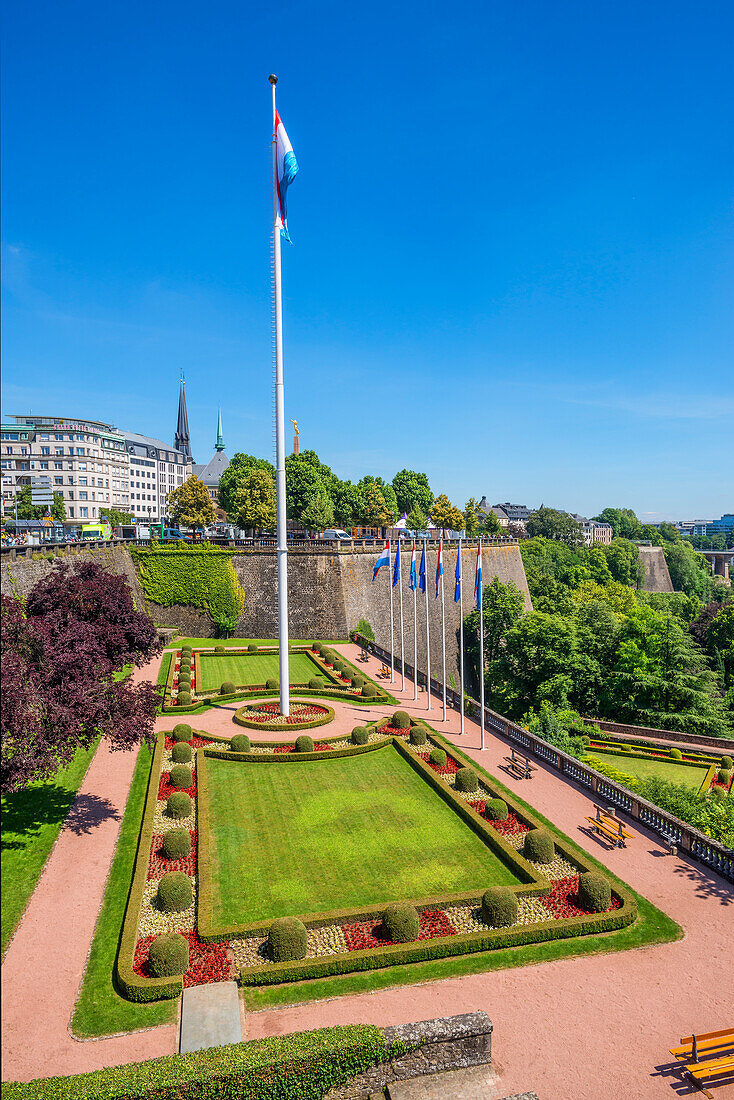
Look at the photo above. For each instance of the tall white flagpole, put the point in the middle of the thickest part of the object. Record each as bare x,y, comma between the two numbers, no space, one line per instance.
415,632
461,637
392,629
282,537
443,632
481,647
428,630
402,645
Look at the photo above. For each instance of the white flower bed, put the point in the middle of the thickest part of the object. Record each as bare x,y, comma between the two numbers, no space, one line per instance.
153,921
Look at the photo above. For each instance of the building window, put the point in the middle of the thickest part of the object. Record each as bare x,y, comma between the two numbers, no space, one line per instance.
58,465
83,496
58,481
83,512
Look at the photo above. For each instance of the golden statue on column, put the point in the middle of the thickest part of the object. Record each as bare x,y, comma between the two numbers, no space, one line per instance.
296,444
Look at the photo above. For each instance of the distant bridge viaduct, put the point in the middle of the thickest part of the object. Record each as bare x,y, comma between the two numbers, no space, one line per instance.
720,562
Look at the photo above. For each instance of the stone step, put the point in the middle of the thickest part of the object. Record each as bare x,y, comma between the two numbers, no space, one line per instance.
471,1083
210,1016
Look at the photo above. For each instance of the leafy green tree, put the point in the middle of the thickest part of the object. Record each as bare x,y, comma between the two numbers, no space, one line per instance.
446,515
489,524
319,511
255,501
552,524
411,489
669,533
503,605
302,482
417,520
623,560
28,510
689,571
376,510
239,468
191,505
348,503
624,522
115,517
471,518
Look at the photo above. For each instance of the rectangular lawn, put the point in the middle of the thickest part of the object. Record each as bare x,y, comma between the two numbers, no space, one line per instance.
690,775
335,834
243,669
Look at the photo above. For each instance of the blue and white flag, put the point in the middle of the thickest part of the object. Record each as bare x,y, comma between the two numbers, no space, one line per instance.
457,575
478,578
413,583
396,568
384,559
422,573
439,568
287,170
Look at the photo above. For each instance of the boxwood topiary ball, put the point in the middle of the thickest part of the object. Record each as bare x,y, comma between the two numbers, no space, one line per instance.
176,844
178,805
183,699
181,777
437,757
418,736
304,743
724,776
314,683
595,893
287,939
239,743
675,754
174,892
726,762
718,794
499,907
181,753
227,688
317,647
272,685
219,649
369,691
466,781
182,732
357,681
169,955
400,923
496,810
401,720
538,846
360,735
252,649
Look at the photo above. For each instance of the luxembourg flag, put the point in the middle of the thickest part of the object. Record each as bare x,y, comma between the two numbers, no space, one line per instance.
478,578
287,169
439,568
384,559
413,583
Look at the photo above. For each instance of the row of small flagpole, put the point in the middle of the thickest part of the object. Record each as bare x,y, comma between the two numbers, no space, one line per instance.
416,581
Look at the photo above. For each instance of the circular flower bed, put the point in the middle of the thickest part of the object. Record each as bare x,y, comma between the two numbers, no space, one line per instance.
267,716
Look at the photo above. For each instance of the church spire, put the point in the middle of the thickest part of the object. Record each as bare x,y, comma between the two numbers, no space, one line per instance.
219,445
181,439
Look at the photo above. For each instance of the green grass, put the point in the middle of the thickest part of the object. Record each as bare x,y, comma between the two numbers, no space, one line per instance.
245,669
238,643
100,1009
690,775
31,821
336,834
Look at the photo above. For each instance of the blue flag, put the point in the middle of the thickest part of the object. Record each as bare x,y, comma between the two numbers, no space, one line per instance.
457,585
396,568
423,569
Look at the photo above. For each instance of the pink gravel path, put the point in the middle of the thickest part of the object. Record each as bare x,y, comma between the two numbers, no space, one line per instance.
43,967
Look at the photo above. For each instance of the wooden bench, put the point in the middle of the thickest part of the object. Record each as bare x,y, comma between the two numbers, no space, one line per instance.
612,828
707,1056
519,765
384,671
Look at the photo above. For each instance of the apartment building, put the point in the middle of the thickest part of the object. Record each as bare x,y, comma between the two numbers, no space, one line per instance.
84,460
155,469
594,531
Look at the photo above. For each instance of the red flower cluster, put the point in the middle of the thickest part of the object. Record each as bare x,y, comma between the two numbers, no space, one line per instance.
562,901
391,731
158,865
196,742
480,806
449,768
208,962
284,748
511,827
165,790
365,934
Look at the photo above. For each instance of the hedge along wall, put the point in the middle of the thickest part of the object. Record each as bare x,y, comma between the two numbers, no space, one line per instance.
201,578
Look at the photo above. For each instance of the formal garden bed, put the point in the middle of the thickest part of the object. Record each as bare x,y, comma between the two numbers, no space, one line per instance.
196,679
232,848
267,716
698,771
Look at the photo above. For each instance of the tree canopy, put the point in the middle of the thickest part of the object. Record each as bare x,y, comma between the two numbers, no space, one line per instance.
446,515
255,501
191,505
412,490
552,524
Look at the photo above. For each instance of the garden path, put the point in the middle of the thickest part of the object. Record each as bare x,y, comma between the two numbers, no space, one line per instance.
584,1028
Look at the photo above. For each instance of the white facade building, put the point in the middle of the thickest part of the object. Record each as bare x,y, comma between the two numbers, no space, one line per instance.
155,469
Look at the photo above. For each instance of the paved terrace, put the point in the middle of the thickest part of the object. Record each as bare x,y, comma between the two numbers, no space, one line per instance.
577,1028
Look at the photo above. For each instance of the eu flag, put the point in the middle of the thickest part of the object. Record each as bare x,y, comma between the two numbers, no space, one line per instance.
423,569
396,568
457,585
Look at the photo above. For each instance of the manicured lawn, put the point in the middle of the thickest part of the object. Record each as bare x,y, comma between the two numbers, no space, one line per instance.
335,834
31,821
237,643
244,669
690,775
100,1009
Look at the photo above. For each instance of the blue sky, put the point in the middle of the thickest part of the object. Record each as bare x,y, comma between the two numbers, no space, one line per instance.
512,264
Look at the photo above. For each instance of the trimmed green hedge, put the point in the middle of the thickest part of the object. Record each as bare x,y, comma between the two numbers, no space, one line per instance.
304,1066
200,577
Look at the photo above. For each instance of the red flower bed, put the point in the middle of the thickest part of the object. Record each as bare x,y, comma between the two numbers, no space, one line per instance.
158,865
391,731
196,742
562,901
511,827
165,790
449,768
480,807
208,962
284,748
318,747
364,934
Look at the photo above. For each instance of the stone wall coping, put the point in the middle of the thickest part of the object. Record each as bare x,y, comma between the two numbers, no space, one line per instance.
444,1029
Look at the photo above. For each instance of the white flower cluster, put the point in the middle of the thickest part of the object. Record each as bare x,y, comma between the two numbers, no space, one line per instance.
557,868
153,921
162,823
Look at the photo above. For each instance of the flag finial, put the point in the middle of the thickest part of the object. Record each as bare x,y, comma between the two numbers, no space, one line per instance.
273,79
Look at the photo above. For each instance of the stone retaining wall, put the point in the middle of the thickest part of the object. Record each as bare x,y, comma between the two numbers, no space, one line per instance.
625,730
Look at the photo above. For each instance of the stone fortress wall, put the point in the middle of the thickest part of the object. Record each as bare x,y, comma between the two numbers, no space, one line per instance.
657,577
